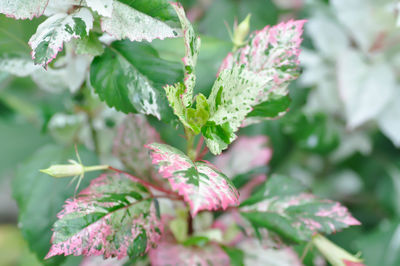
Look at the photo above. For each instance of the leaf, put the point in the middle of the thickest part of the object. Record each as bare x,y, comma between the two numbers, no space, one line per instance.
127,22
192,48
57,29
133,134
274,107
254,74
19,66
89,45
366,90
135,84
40,197
168,253
236,255
113,217
103,7
257,254
160,9
388,120
200,183
234,161
23,9
283,206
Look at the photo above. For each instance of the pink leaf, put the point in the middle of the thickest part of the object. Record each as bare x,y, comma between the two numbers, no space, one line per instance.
169,253
202,185
273,53
113,217
133,134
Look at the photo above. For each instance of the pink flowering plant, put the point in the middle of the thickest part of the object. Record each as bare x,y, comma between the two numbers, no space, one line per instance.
154,202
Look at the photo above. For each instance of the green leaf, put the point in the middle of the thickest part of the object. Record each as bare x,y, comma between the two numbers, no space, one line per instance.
40,197
271,108
135,84
89,45
160,9
235,255
283,206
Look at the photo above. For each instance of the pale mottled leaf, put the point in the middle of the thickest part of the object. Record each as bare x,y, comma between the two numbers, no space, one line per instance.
257,254
251,76
23,9
57,29
192,48
364,89
133,134
244,155
388,120
103,7
283,205
200,183
169,253
17,65
113,217
60,6
127,22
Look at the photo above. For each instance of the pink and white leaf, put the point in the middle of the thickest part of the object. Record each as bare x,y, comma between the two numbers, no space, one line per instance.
130,23
57,29
107,218
202,185
171,253
23,9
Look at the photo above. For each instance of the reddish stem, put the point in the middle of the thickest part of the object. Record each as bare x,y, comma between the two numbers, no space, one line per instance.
202,154
145,183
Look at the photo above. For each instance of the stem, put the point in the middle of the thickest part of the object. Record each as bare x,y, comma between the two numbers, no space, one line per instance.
95,168
145,183
191,151
305,251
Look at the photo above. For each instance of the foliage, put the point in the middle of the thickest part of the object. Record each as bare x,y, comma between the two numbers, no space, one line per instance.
148,90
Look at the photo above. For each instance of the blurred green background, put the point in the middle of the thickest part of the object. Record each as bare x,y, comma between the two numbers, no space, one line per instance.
341,136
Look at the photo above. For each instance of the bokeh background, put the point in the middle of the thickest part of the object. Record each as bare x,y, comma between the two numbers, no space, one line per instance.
341,136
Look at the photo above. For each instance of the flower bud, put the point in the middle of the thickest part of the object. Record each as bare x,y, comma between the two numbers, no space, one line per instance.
241,31
335,254
64,170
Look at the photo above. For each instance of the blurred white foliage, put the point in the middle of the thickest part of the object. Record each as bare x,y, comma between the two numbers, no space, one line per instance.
354,69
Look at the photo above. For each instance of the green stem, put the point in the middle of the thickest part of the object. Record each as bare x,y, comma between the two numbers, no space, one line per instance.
95,168
191,150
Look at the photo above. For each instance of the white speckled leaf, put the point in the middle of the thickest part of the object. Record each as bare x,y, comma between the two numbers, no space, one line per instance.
251,76
283,205
192,48
57,29
17,65
103,7
127,22
113,217
200,183
23,9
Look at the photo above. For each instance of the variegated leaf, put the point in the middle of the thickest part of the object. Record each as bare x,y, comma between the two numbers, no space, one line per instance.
113,217
103,7
253,75
57,29
202,185
169,253
283,205
17,65
133,134
23,9
192,47
127,22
